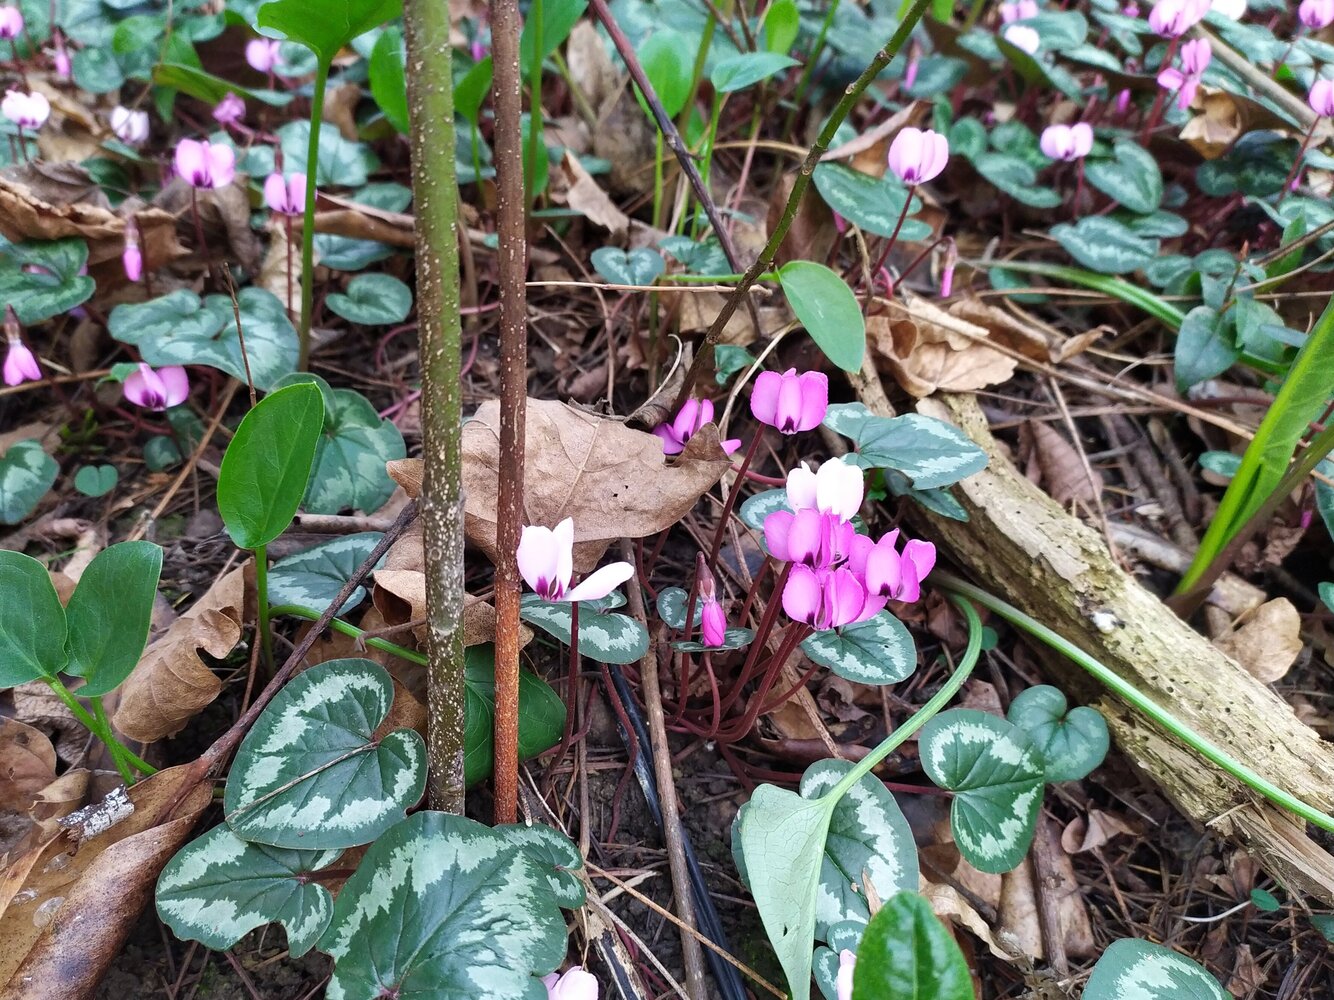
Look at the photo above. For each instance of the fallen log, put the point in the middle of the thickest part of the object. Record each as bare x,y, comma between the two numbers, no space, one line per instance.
1022,546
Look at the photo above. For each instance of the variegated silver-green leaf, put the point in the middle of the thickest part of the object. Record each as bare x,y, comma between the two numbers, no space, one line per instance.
879,650
755,509
733,638
868,837
555,854
930,452
26,473
1137,970
443,908
845,936
218,888
1072,742
672,603
349,467
310,773
607,638
996,774
314,577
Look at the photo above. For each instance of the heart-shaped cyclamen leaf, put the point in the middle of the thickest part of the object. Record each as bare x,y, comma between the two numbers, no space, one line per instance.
310,774
827,309
879,650
314,576
672,603
846,936
755,509
634,267
868,837
41,279
996,775
907,954
350,459
541,714
556,854
1072,743
443,908
218,888
606,638
930,452
32,622
869,203
1131,176
26,473
1138,970
373,300
109,614
96,480
1105,245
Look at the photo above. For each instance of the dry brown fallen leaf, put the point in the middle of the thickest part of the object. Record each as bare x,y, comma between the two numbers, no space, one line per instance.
576,187
27,764
1268,643
224,213
171,684
927,348
69,907
591,68
1059,468
1088,834
1019,905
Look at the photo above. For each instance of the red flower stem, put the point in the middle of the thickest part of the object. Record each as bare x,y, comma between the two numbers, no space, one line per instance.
761,638
889,244
1296,164
732,495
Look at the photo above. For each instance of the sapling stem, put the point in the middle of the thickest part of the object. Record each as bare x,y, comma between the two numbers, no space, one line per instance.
308,214
338,625
119,751
1133,696
262,599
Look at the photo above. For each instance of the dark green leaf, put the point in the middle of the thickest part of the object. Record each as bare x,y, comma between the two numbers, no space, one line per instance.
541,714
109,614
325,26
32,622
827,309
907,954
558,20
26,473
1204,347
1131,177
209,88
556,854
1072,743
746,69
41,279
1138,970
606,638
472,89
660,56
1017,178
869,203
373,300
628,267
389,85
349,470
930,452
1105,245
341,162
782,21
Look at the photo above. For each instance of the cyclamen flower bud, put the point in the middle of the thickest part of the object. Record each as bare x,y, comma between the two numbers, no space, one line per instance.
132,257
917,156
20,363
574,984
1316,14
847,961
947,274
11,22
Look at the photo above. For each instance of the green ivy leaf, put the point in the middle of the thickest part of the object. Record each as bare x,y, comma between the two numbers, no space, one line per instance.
32,622
541,714
879,650
96,480
1131,176
907,954
747,69
349,469
325,26
868,836
1138,970
1205,347
314,576
996,774
311,775
26,473
389,85
109,614
640,266
606,638
373,300
1105,245
267,464
443,907
827,309
1072,743
869,203
41,279
930,452
218,888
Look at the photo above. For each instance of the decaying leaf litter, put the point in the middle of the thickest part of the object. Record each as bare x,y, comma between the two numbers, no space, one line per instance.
1073,394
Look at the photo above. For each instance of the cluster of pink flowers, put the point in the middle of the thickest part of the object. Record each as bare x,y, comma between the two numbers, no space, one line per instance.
1173,18
1195,58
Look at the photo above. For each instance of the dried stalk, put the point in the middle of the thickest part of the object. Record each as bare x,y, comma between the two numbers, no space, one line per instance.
435,196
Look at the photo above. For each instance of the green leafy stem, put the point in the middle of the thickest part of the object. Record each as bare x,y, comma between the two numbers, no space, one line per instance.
338,625
1133,696
97,723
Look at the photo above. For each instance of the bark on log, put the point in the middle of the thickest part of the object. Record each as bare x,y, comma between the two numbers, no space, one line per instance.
1024,547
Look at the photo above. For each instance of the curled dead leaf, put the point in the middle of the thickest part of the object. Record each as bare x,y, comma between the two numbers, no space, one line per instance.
171,683
27,764
582,193
1268,643
1057,462
927,348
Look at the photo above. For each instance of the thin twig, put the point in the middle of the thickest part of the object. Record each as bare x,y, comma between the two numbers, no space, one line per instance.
240,333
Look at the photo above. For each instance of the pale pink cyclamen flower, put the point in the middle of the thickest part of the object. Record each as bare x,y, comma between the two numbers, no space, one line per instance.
917,156
1316,14
130,127
1233,10
204,164
828,598
1066,142
25,110
835,488
546,563
132,257
888,572
1173,18
60,58
1022,37
262,54
1321,98
229,110
157,390
1195,58
1018,11
477,49
693,415
285,195
11,22
20,363
574,984
790,402
847,961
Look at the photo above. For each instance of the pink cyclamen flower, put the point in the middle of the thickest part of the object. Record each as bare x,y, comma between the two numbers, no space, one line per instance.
790,402
847,961
917,156
1316,14
836,488
808,537
1067,142
1321,98
25,110
477,49
1195,58
130,127
204,164
1022,37
693,415
157,390
574,984
1018,11
286,196
132,257
11,22
20,363
262,54
889,573
828,598
60,58
229,110
951,262
546,563
1173,18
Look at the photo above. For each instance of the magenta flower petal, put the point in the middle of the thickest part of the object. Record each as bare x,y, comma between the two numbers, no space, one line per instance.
20,364
1316,14
777,534
884,570
713,624
805,536
764,397
845,598
262,54
671,444
176,383
11,22
802,595
157,390
132,258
